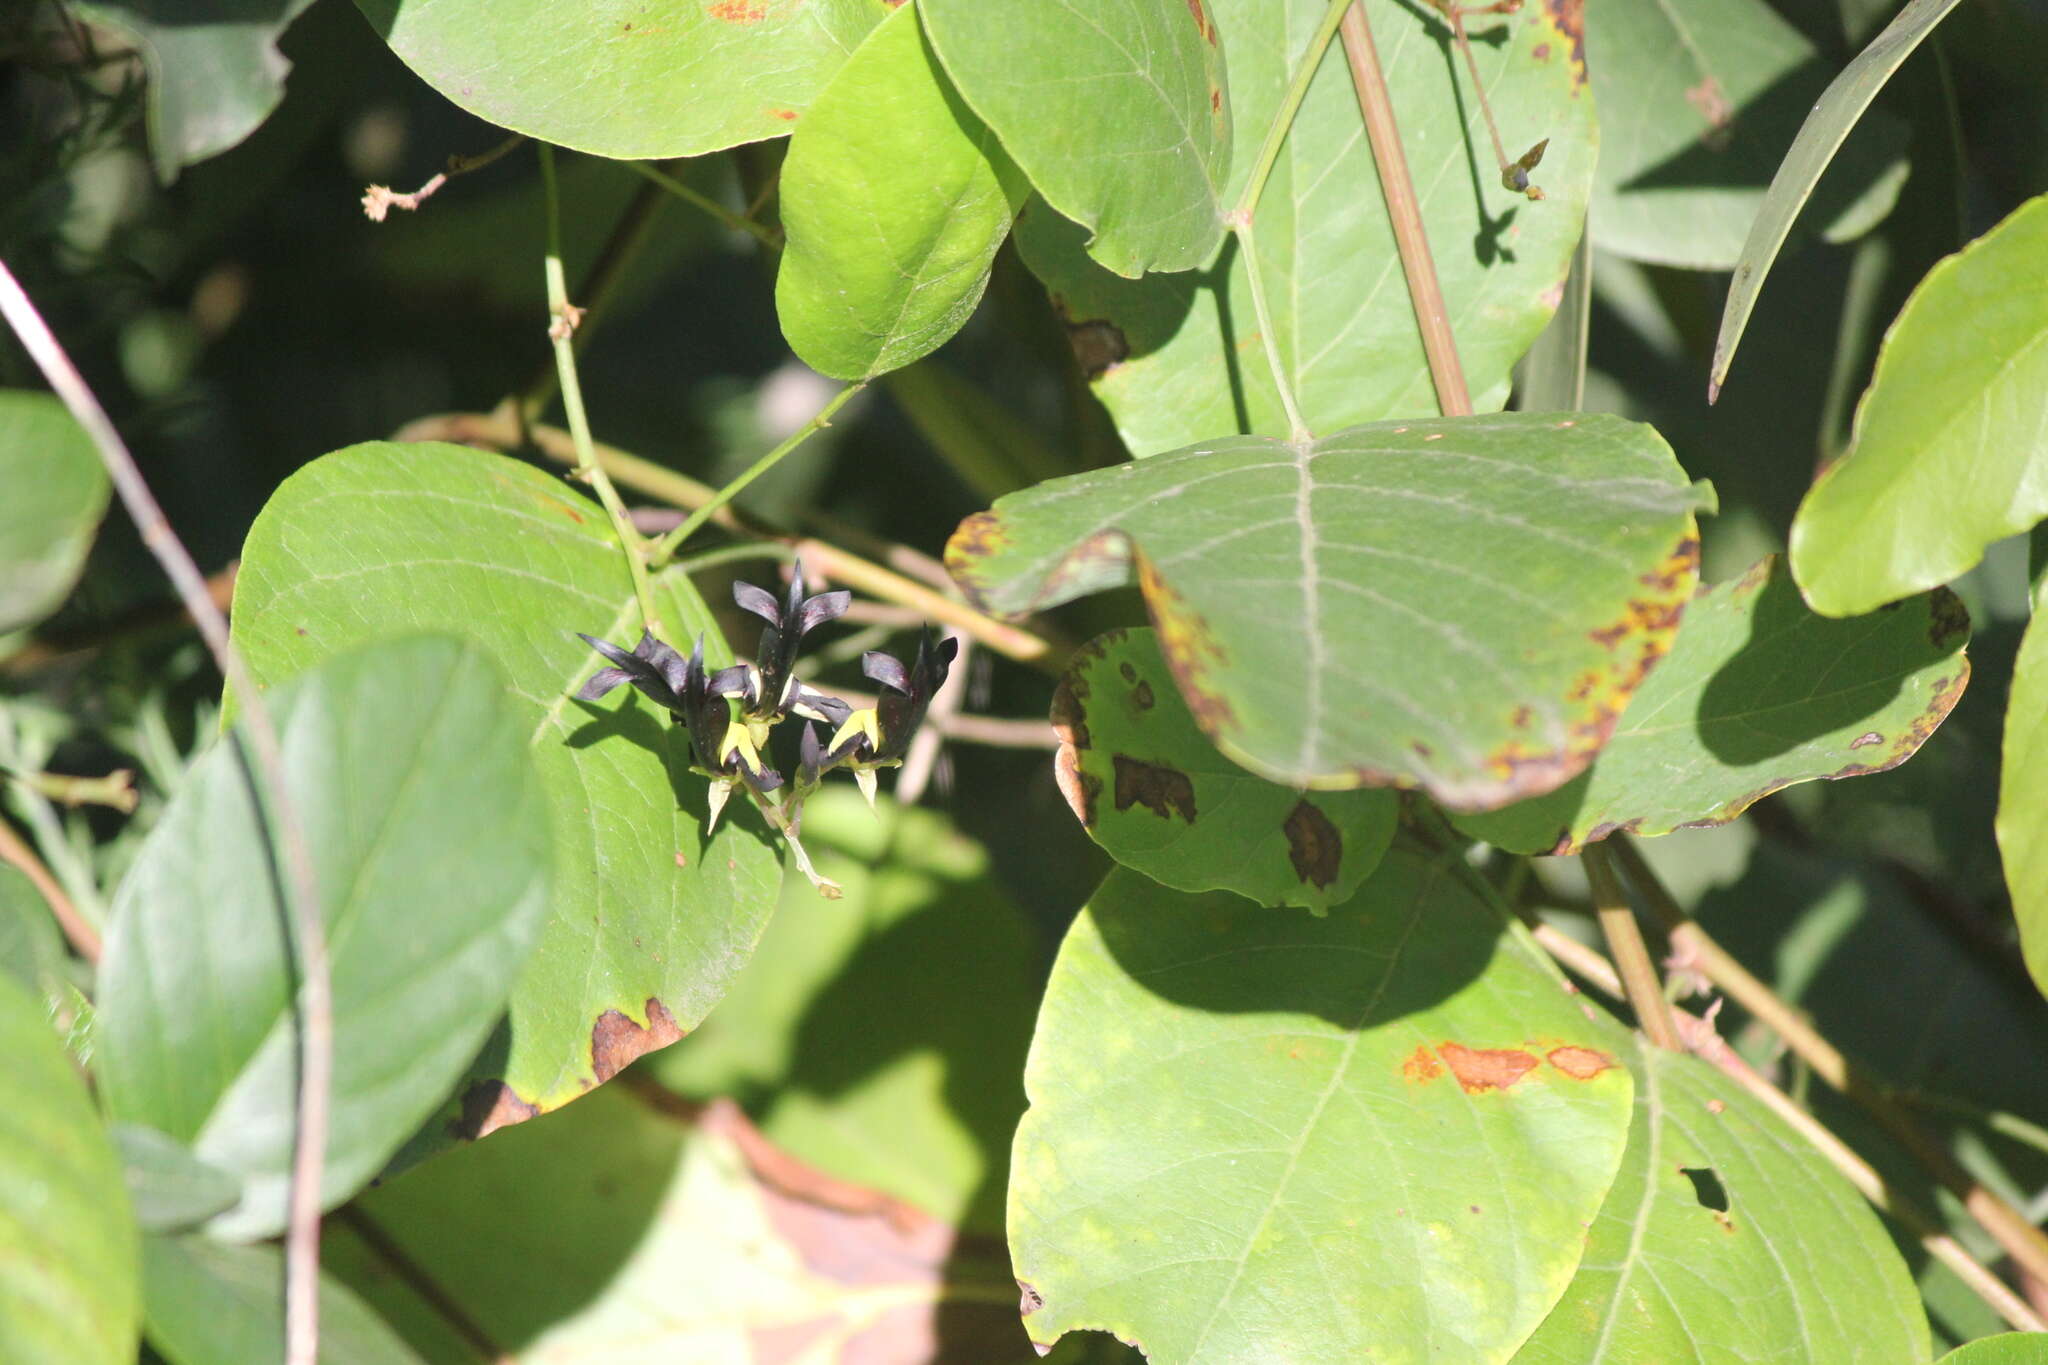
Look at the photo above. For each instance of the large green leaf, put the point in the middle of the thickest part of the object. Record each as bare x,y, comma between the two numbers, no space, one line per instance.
1948,453
69,1293
211,1304
1833,116
615,1232
56,493
1759,693
214,69
2007,1348
2023,792
1726,1236
427,827
629,78
880,1037
1149,787
1116,110
1179,359
1377,1135
171,1188
649,920
1703,97
895,198
1462,605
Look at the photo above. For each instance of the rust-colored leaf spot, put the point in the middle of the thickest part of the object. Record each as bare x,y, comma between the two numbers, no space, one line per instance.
1866,739
1491,1068
1314,845
616,1041
737,11
1202,24
1570,18
1215,101
1128,671
1080,788
1164,791
1422,1066
488,1106
1949,618
1579,1063
1541,52
1191,648
976,538
786,115
1521,717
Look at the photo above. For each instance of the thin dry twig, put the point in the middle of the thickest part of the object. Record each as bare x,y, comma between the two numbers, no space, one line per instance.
1514,175
315,1004
1625,941
84,939
379,200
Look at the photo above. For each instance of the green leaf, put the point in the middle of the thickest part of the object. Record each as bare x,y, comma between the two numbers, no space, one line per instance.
1834,114
894,198
1758,694
2023,792
1116,111
1726,1236
2007,1348
648,920
172,1189
208,1304
56,494
1462,605
31,949
623,1233
214,69
68,1280
1948,447
1150,788
880,1037
428,833
1179,359
1375,1135
660,79
1703,97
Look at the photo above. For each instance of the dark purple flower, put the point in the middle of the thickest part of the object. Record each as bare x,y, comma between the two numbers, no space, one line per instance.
774,689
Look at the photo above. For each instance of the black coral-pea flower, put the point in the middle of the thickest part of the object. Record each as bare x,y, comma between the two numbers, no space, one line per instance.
877,736
773,689
723,746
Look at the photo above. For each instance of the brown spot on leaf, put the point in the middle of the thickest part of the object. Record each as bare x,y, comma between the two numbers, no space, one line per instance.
784,114
1191,649
1068,715
1493,1068
976,538
1099,346
1164,791
1313,845
1128,671
1569,16
1215,100
1866,739
1711,102
616,1041
1949,618
1029,1300
488,1106
1142,698
1202,24
1541,52
1520,718
1579,1063
1421,1066
737,11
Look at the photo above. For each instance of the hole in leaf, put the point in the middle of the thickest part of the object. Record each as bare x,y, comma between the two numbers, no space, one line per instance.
1706,1187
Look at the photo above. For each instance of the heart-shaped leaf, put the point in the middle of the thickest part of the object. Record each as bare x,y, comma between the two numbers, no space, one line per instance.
407,764
894,198
1462,605
1115,109
56,494
658,79
1759,693
1709,94
1148,786
648,919
1728,1237
1948,451
1375,1135
69,1288
1177,359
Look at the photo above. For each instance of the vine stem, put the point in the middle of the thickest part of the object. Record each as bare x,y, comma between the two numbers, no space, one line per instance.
1248,249
2010,1228
665,548
1589,965
562,331
1625,941
83,937
315,996
1404,211
654,175
1290,105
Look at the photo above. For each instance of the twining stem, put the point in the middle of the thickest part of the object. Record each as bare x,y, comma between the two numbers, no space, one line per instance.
1290,104
315,995
1514,175
562,329
665,548
1247,251
620,248
85,939
766,236
1625,941
2010,1228
1589,965
1404,211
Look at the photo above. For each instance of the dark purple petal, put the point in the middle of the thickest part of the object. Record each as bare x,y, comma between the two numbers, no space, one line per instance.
818,706
829,606
758,601
886,669
601,682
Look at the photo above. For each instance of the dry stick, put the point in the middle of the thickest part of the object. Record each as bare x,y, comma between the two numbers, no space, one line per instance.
315,1004
2010,1228
1432,318
379,200
1455,15
500,430
85,939
561,330
1587,964
1625,941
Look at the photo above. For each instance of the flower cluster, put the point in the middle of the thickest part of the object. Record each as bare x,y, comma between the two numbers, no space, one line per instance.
730,714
